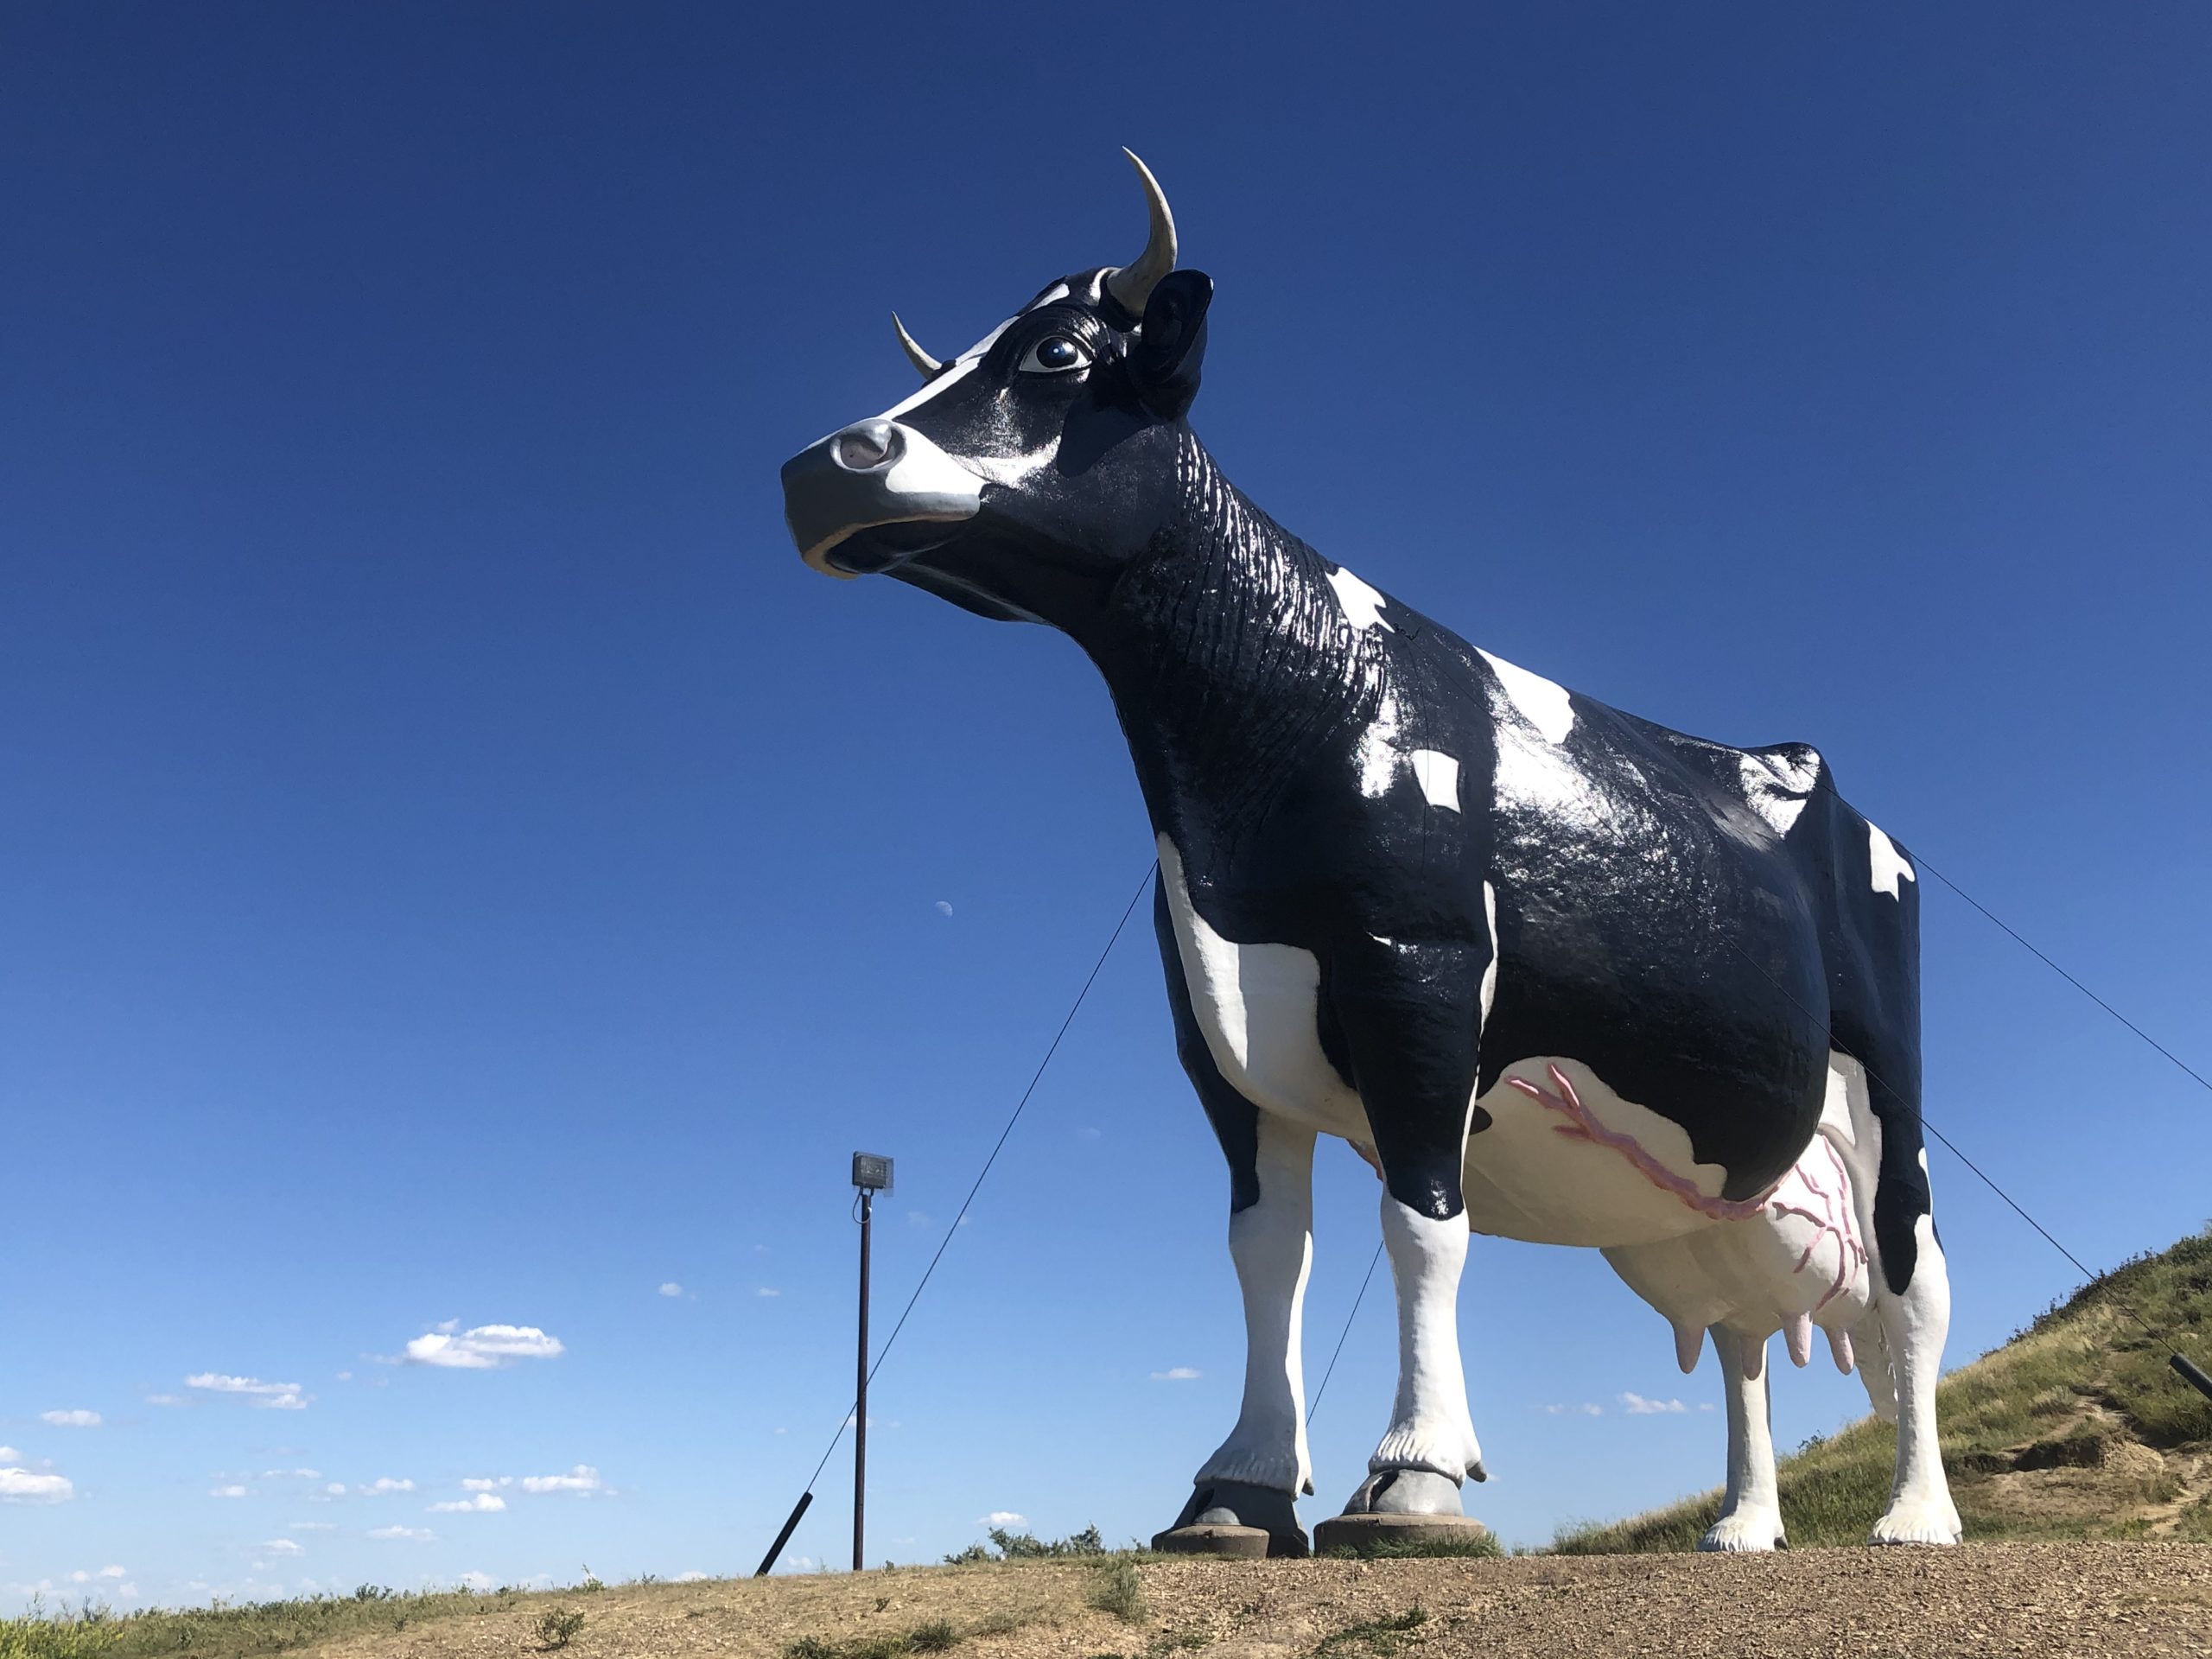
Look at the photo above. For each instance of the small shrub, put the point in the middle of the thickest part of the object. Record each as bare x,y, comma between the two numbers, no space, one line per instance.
1119,1591
555,1627
936,1637
1378,1636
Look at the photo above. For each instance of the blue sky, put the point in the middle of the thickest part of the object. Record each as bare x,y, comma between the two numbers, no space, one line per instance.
463,869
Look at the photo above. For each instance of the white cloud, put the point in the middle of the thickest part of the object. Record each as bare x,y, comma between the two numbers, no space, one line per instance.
764,1291
78,1417
1177,1374
275,1397
9,1454
481,1504
474,1581
291,1474
1637,1406
413,1534
692,1577
336,1489
80,1576
285,1546
312,1526
943,908
482,1347
671,1289
386,1484
167,1400
227,1491
582,1478
1585,1409
1002,1518
21,1486
486,1483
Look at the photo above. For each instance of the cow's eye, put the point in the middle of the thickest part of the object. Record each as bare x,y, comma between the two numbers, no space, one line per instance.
1055,354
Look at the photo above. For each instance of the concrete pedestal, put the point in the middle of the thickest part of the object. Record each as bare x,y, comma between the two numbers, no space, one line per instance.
1369,1534
1241,1543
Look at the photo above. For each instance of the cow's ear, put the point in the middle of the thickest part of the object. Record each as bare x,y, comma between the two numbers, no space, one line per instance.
1172,342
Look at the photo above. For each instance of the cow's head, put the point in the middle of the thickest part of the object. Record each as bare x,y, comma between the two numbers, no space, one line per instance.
1031,467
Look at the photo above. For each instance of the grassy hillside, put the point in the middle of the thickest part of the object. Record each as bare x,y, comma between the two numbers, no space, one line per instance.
2077,1428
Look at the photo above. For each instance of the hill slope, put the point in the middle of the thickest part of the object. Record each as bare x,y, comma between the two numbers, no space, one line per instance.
2075,1428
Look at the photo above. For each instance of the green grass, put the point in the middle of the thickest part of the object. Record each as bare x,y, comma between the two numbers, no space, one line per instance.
938,1635
239,1630
1384,1636
2058,1434
1118,1590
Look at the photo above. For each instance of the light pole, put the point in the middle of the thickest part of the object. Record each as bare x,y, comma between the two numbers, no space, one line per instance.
871,1174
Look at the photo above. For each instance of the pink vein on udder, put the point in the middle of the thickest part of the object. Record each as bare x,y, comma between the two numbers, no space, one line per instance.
1582,1125
1834,1220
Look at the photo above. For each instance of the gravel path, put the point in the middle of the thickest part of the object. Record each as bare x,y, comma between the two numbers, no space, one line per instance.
2086,1599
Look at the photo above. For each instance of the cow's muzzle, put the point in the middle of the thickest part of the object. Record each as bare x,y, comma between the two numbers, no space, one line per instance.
873,473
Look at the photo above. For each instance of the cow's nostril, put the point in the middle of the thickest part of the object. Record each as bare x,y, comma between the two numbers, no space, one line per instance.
866,447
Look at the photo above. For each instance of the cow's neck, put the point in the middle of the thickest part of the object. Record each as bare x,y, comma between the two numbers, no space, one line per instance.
1231,662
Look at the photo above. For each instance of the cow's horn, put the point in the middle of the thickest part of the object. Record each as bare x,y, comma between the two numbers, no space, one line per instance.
920,358
1132,285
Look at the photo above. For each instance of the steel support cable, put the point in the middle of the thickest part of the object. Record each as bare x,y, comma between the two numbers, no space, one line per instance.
998,1146
1332,1368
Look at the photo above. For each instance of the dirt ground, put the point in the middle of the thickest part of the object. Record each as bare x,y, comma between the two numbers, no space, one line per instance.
2089,1600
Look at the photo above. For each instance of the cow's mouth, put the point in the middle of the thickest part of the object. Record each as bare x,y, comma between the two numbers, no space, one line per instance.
880,547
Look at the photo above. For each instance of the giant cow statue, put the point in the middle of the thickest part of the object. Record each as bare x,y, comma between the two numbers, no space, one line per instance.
1558,973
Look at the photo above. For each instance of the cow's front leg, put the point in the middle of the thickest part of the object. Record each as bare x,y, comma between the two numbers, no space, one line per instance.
1750,1513
1410,1016
1255,1476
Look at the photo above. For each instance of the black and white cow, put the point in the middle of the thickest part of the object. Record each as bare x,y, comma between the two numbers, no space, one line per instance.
1561,974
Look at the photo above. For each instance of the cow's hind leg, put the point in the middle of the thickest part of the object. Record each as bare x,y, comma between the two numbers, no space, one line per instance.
1911,1284
1253,1478
1410,1014
1914,1321
1751,1511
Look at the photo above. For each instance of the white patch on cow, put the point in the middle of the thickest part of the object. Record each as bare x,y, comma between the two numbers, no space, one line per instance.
1378,754
1776,787
1362,605
1057,291
1257,1007
1889,864
958,370
1489,974
1543,704
1437,774
1525,1179
985,344
1012,470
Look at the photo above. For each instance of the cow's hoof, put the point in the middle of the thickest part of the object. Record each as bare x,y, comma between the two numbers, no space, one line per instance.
1406,1491
1919,1520
1747,1531
1221,1505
